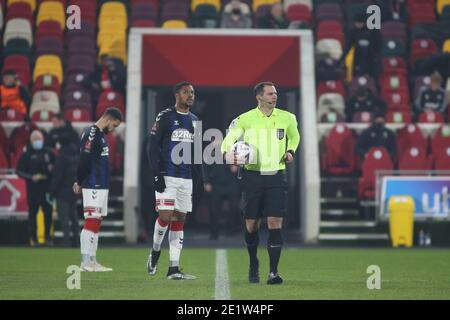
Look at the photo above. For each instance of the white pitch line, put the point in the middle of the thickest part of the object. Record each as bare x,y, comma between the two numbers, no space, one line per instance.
222,281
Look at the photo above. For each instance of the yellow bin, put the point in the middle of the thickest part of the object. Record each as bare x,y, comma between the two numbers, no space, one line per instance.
401,220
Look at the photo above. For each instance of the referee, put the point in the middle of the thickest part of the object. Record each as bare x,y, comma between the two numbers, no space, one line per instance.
274,135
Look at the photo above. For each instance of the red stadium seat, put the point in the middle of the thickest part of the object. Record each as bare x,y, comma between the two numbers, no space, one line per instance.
11,115
20,136
420,49
331,86
47,82
410,136
299,12
330,30
398,116
339,155
393,64
49,28
377,158
110,99
362,117
21,10
396,99
442,160
431,117
78,114
421,13
414,159
440,140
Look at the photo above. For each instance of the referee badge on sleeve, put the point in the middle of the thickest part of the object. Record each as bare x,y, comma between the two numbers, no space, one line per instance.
280,134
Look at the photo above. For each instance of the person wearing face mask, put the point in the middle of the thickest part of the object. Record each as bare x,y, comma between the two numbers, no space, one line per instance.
35,166
376,136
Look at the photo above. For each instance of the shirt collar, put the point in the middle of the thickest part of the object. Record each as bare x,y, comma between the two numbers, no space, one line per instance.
262,115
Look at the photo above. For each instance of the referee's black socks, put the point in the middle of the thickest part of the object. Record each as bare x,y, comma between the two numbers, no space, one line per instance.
252,241
274,244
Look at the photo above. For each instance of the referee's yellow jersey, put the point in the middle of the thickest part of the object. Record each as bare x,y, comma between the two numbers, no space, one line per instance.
271,136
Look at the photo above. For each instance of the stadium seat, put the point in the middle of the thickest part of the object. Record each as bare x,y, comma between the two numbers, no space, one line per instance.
377,158
332,117
442,161
330,102
431,117
48,64
174,24
361,82
18,28
47,82
394,64
196,3
394,30
109,99
81,46
144,12
175,11
49,28
440,140
327,12
52,10
440,4
414,159
257,3
21,65
80,64
51,46
420,49
330,47
330,30
398,116
410,136
113,10
331,86
15,156
79,99
205,16
393,48
20,136
11,115
339,155
114,47
88,9
108,35
44,104
299,12
362,117
421,13
17,46
86,31
308,3
78,115
32,3
396,99
446,46
20,10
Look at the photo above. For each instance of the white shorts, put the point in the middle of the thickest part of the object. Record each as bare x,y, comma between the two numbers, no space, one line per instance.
177,196
95,203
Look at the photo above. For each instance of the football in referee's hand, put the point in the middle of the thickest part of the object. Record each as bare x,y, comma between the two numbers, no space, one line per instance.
243,153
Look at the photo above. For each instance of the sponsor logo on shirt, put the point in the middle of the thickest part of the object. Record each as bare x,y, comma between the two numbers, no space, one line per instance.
182,135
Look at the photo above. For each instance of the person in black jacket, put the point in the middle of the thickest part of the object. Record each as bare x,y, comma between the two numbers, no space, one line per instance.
35,166
364,100
62,128
367,45
376,136
63,177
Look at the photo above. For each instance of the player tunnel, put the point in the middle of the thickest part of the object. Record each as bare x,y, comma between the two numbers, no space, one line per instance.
223,68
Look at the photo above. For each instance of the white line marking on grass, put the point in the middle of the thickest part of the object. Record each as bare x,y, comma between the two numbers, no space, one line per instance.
222,281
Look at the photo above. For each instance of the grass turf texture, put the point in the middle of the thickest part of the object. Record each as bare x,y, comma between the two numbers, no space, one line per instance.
308,274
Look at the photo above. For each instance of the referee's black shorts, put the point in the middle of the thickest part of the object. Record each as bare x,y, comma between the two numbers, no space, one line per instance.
264,195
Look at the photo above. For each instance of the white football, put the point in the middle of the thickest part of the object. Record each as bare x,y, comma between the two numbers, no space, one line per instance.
244,152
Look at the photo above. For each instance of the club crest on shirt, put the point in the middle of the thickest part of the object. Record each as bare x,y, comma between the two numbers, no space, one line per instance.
280,134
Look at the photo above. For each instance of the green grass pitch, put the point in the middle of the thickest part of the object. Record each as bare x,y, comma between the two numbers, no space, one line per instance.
309,273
